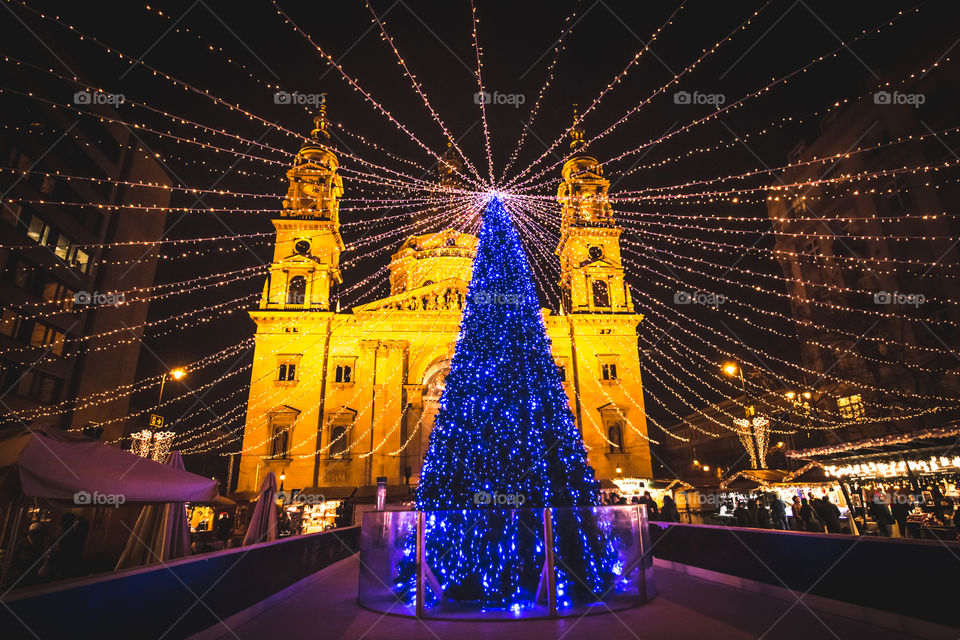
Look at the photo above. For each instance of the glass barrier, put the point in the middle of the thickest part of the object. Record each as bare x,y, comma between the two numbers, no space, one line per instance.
505,563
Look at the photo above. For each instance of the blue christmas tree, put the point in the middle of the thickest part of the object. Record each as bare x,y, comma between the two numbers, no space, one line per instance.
505,437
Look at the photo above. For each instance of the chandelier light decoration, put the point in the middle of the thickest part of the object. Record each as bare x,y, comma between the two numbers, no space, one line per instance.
754,434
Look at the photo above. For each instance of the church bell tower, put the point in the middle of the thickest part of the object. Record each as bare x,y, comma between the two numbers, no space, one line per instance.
591,272
306,259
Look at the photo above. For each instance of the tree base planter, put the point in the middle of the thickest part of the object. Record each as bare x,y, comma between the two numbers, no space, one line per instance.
505,564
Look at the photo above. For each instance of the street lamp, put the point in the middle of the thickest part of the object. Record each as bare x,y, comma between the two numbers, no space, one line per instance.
731,369
176,374
283,477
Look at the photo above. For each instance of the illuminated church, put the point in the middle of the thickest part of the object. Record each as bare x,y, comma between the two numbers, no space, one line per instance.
341,397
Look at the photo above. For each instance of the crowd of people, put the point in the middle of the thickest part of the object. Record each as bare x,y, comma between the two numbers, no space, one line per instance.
768,511
667,512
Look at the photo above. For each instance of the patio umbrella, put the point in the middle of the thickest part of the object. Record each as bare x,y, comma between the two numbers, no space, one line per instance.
263,522
161,532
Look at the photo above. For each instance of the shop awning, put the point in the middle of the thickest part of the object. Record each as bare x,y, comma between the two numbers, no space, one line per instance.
46,462
607,484
923,452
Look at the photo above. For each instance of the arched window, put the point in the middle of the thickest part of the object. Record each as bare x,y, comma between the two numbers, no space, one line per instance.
615,436
297,290
339,441
281,442
601,297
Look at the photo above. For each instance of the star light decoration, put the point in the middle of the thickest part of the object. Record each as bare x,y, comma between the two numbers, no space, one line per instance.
379,187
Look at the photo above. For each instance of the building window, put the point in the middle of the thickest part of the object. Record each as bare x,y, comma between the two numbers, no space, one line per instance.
615,436
608,370
11,213
562,370
39,386
344,373
601,296
281,442
851,407
281,424
297,290
10,322
38,230
46,336
339,444
54,291
288,372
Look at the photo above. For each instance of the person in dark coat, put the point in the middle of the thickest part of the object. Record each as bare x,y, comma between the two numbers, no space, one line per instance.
880,513
669,511
742,515
799,524
652,510
763,515
29,557
900,509
810,517
829,515
778,513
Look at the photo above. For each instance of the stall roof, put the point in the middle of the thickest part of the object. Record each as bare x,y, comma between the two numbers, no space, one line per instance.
46,462
754,478
924,441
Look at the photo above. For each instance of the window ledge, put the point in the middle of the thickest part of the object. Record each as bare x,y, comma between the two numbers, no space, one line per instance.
285,383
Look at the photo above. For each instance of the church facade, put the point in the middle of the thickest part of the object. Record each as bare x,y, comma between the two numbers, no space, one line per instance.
339,398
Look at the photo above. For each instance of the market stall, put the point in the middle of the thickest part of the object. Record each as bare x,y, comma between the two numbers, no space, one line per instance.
910,479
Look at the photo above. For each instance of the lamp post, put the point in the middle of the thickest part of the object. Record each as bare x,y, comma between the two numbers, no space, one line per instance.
176,374
753,440
733,369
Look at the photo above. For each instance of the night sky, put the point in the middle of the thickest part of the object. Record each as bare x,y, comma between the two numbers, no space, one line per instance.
435,38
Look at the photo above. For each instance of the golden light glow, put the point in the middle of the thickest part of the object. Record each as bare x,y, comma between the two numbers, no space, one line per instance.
791,395
706,468
176,374
807,394
730,369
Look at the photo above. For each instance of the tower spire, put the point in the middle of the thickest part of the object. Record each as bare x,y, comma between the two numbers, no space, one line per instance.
576,132
320,125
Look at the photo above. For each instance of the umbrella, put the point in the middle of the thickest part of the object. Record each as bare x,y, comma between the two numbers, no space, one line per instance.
263,522
161,532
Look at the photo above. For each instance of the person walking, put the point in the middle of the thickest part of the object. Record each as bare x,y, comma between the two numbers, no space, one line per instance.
763,515
742,515
799,524
669,512
880,513
810,517
829,515
900,509
778,513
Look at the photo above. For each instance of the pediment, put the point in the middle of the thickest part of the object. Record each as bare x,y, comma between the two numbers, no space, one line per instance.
446,295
